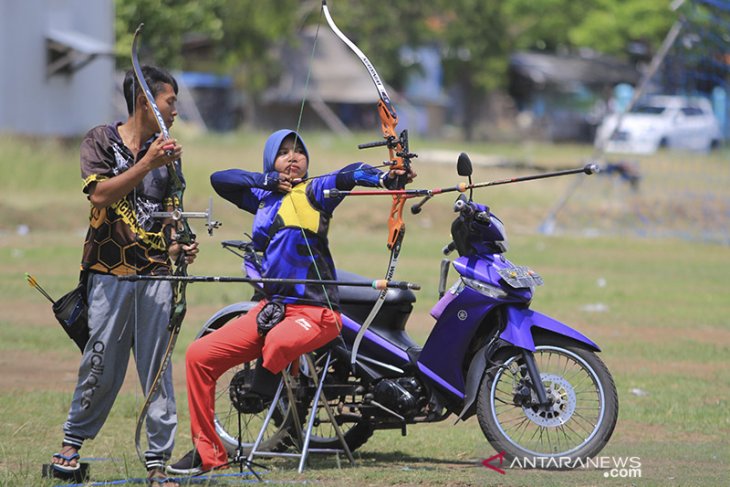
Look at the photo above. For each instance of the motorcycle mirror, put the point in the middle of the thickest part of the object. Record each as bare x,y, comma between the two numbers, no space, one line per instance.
463,165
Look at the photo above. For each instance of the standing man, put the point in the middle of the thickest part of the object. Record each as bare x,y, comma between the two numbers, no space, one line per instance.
124,167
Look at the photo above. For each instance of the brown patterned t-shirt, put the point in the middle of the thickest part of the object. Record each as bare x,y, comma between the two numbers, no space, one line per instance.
123,238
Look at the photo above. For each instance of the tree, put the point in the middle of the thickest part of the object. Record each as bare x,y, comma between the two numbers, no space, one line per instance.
237,36
166,23
476,37
476,47
251,28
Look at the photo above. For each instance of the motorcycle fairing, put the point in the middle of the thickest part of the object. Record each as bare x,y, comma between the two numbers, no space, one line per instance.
521,320
374,345
459,322
446,346
476,267
439,381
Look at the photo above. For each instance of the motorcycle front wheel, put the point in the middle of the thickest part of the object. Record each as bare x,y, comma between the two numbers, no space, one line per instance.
576,425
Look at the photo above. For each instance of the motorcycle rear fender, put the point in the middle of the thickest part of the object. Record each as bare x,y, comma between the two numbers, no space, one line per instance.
224,314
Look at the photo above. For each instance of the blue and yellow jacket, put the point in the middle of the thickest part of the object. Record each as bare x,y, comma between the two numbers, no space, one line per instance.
291,228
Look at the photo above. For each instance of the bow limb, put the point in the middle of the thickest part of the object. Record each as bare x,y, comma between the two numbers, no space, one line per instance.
392,263
145,87
183,236
397,144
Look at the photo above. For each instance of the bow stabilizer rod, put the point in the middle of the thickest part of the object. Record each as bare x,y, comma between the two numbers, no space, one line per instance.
379,284
177,214
462,187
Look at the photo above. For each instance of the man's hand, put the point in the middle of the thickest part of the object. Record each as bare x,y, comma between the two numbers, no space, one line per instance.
163,151
190,251
108,191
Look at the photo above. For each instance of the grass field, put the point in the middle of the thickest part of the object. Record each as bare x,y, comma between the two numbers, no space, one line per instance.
658,308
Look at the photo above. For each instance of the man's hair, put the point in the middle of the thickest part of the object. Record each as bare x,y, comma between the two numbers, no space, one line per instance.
155,78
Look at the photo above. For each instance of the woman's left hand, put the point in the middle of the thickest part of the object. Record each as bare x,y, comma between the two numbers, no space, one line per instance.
394,174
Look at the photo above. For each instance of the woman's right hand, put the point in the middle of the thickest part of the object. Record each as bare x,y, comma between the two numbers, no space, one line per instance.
285,183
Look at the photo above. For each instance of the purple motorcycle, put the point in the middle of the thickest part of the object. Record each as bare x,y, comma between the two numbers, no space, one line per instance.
536,386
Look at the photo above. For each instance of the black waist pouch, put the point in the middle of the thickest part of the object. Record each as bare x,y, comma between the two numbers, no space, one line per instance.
71,311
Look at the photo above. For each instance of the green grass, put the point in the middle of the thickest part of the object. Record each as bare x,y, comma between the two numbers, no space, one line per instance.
657,307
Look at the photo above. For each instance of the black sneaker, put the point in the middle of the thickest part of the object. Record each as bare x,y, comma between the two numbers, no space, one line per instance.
190,464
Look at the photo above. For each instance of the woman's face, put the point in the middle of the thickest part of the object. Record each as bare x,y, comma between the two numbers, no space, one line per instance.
291,158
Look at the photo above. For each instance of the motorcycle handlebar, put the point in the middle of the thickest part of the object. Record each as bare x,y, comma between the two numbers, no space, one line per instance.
467,209
462,206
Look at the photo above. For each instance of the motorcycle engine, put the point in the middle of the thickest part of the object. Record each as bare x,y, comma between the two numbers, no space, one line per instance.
402,395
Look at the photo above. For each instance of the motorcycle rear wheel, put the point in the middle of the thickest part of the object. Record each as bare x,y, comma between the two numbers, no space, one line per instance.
576,426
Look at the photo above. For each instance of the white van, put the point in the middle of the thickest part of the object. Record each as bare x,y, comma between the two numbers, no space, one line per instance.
676,122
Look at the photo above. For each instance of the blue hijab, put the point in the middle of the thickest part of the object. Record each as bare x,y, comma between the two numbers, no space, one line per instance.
271,148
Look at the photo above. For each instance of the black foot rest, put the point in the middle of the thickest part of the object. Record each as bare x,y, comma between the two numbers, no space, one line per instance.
79,476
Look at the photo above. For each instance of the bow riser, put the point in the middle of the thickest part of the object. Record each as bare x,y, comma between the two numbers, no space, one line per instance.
388,119
396,226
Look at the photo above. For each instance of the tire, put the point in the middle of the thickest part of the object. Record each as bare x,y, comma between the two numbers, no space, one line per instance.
356,429
279,433
578,424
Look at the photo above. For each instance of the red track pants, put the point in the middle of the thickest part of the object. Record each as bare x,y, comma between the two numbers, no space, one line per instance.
303,329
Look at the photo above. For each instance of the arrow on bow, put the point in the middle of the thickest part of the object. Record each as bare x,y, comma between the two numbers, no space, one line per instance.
399,159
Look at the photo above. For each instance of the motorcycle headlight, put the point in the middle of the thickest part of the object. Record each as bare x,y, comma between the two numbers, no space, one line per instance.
483,288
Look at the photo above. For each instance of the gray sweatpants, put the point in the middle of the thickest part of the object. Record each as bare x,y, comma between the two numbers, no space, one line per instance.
123,316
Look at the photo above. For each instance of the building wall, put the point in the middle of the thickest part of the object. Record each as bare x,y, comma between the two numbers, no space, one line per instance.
64,105
5,8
